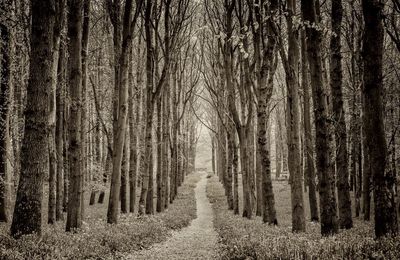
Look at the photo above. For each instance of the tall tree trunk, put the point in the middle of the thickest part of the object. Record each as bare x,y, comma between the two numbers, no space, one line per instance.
336,77
309,157
384,197
366,171
329,223
160,170
125,174
235,179
165,142
5,105
229,166
149,112
27,216
293,123
122,110
75,18
60,92
59,25
84,119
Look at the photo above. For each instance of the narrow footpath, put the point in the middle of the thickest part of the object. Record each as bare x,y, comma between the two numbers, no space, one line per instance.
197,241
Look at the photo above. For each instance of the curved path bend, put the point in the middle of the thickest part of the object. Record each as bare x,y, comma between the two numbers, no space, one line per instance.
197,241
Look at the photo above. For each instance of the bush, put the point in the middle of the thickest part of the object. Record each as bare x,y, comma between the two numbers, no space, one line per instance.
99,240
241,238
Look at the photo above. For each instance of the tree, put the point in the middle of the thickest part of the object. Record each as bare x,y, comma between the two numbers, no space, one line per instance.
329,223
27,218
5,101
264,57
121,94
309,171
383,181
345,220
75,19
290,65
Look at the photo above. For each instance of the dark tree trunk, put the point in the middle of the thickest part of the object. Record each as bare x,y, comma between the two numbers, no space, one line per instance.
344,202
309,151
75,18
27,216
384,197
60,132
329,223
5,104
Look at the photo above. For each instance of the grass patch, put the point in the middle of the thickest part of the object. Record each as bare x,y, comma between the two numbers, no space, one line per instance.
241,238
99,240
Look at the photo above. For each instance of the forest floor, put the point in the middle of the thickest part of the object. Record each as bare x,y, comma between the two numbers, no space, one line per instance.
197,241
241,238
99,240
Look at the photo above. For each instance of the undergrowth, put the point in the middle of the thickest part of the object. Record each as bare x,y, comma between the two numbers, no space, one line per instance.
99,240
241,238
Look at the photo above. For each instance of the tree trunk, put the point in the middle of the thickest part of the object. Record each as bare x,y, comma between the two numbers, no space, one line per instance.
122,112
235,179
74,217
146,178
329,223
27,218
229,167
84,105
125,175
60,92
309,151
293,123
5,105
344,202
165,141
384,197
366,170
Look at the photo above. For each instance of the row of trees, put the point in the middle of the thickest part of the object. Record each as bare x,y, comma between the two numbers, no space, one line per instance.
323,78
62,122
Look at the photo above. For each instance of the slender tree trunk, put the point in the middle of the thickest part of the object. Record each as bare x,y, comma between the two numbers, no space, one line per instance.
160,170
60,92
309,157
293,123
329,223
146,178
366,170
5,105
165,142
27,216
125,174
235,179
120,124
75,17
344,202
84,119
229,167
384,197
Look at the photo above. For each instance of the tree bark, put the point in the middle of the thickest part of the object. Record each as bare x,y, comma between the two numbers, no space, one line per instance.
60,92
384,197
309,151
5,105
75,18
329,223
27,218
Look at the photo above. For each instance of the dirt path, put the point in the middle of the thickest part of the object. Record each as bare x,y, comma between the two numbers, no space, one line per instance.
197,241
